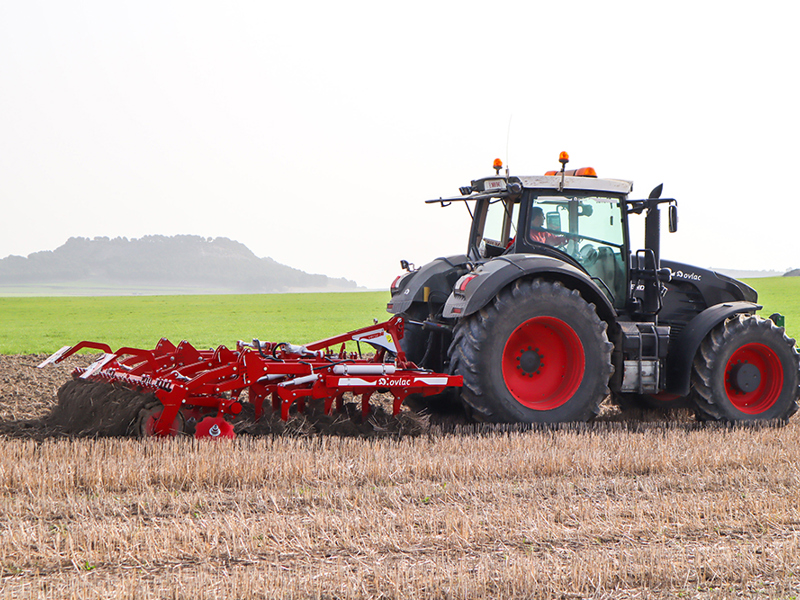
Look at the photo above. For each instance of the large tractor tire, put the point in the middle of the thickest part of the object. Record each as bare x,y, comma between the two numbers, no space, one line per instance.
538,353
746,370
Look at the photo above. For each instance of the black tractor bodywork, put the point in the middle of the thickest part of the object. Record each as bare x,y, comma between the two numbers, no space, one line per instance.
552,308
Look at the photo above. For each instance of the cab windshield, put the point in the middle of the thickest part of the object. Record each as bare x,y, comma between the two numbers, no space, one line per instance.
588,228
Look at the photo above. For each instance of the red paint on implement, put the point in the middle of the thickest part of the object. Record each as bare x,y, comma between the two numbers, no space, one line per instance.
151,422
190,382
214,428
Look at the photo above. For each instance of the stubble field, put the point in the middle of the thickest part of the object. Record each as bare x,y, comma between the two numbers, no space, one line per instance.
638,505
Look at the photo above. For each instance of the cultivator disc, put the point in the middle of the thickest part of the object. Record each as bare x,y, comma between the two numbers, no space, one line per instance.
205,388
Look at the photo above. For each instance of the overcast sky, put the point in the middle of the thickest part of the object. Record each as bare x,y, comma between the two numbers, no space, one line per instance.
312,132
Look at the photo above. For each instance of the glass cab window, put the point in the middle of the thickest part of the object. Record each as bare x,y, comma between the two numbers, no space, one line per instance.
588,228
499,226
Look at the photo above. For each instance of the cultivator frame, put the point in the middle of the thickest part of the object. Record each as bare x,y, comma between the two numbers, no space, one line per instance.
206,385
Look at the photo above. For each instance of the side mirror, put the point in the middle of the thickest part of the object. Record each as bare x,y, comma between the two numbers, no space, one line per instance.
672,211
656,193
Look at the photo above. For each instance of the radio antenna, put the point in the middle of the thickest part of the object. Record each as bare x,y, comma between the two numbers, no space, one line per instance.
508,137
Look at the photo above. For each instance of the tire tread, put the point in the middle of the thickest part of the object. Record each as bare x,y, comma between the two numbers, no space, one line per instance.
708,361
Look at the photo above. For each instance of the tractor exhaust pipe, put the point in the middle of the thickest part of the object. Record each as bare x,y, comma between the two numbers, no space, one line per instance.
652,243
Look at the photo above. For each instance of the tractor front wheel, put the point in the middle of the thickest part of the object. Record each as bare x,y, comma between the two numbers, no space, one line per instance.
538,353
746,370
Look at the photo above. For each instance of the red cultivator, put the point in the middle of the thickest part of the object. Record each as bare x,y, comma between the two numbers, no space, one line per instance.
205,386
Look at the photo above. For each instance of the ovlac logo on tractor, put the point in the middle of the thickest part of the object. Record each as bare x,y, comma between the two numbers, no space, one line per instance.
689,276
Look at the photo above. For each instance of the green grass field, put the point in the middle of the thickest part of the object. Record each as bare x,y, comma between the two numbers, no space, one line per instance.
780,294
43,324
36,325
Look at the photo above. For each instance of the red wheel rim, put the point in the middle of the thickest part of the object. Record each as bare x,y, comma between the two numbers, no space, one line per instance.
152,419
766,388
543,363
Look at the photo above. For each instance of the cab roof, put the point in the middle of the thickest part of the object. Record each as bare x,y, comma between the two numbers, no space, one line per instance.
588,184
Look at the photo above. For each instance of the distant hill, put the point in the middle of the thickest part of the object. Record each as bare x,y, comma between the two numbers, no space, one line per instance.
744,274
156,264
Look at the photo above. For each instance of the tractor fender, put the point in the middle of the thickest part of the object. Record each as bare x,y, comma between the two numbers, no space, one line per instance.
438,276
683,349
491,277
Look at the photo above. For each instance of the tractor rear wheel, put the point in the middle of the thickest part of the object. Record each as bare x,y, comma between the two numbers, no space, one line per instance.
746,370
538,353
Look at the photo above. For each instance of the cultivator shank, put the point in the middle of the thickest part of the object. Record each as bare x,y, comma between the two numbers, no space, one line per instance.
205,386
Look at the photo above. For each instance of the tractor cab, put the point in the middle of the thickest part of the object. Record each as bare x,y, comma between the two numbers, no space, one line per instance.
576,218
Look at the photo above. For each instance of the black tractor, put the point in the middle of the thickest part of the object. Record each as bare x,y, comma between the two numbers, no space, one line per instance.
550,311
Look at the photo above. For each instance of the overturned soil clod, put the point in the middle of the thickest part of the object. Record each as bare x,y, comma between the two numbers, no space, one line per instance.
91,409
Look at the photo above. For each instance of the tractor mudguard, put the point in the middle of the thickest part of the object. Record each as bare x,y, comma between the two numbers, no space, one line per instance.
438,276
682,351
487,280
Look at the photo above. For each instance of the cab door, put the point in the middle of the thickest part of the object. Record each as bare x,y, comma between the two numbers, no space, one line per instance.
494,226
588,229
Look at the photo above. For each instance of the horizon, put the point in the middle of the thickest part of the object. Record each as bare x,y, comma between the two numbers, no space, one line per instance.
98,288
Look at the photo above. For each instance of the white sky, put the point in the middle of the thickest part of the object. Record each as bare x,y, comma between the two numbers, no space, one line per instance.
313,131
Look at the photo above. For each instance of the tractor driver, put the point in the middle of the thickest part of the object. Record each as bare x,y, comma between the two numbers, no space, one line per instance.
537,234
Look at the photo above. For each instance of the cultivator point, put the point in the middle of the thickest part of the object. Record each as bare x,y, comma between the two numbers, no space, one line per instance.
205,387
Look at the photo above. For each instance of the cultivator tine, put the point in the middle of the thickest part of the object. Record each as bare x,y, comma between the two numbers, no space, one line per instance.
68,351
257,397
198,385
97,365
365,404
54,358
329,402
398,401
285,405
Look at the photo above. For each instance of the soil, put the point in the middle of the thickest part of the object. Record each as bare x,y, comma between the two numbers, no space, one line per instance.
42,403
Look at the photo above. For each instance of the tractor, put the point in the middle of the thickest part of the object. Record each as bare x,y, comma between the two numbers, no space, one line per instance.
551,310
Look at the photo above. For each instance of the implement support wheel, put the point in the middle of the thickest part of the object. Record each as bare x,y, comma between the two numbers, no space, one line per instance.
148,417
